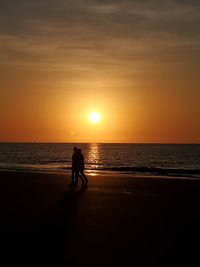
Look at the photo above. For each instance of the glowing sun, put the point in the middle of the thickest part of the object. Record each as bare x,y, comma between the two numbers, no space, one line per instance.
94,117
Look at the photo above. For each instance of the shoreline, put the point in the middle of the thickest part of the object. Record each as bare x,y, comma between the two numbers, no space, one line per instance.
107,174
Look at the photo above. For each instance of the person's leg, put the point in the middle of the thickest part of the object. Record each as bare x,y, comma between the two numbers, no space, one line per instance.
76,177
73,174
84,176
81,177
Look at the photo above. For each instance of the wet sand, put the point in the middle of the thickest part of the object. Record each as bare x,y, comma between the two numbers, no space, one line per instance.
117,220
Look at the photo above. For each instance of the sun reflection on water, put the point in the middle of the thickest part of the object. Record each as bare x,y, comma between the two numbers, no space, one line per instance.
94,158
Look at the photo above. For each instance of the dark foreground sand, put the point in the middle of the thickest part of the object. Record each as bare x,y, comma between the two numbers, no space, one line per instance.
117,220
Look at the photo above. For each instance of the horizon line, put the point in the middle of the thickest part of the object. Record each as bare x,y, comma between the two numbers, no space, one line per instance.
136,143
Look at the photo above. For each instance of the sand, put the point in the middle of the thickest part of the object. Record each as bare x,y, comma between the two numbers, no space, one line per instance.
122,220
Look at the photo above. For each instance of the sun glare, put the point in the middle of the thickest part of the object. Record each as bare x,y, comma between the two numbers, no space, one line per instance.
94,117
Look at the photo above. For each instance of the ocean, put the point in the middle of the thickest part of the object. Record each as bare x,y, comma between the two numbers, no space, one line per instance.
135,159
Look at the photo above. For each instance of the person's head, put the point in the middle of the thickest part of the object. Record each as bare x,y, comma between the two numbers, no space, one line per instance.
75,149
79,151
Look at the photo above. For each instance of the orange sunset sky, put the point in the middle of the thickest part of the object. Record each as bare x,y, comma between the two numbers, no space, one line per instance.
135,62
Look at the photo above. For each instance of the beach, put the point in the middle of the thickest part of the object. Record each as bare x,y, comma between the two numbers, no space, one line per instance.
118,219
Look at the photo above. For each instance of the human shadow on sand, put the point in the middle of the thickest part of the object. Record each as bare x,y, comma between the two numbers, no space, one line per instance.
47,243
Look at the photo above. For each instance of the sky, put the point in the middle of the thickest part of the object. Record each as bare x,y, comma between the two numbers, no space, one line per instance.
135,62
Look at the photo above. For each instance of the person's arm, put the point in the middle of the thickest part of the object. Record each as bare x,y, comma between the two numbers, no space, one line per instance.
72,158
83,160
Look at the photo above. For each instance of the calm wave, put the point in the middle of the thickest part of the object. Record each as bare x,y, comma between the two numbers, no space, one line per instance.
145,159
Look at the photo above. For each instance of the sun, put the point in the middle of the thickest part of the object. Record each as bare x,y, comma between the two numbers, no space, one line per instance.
94,117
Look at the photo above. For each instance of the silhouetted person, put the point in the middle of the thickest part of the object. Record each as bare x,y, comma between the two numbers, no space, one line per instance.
75,166
81,166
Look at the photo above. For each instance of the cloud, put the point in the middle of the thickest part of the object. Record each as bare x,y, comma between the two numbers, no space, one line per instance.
105,8
115,37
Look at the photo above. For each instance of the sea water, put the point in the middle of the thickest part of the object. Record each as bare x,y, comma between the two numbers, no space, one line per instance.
134,159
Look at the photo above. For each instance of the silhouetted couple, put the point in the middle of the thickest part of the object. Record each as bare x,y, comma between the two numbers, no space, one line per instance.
78,166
